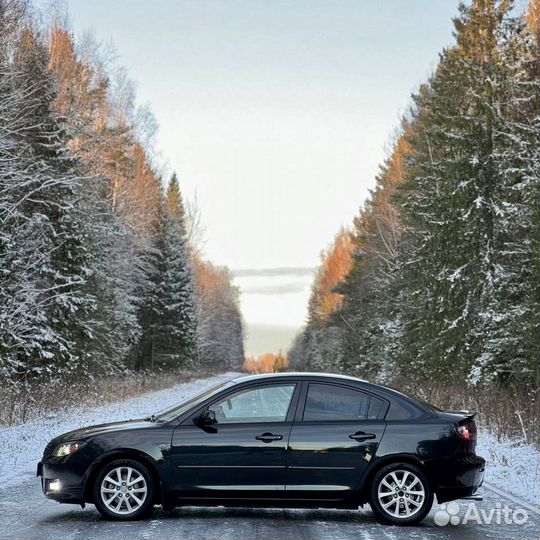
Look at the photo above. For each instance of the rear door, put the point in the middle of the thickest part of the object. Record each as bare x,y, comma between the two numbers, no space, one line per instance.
244,453
335,435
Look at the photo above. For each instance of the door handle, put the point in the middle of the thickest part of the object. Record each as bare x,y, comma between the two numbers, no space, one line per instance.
269,437
361,436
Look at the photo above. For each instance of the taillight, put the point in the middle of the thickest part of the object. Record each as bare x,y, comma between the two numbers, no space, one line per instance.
467,432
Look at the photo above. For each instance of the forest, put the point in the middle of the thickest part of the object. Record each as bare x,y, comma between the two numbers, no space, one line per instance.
101,268
436,286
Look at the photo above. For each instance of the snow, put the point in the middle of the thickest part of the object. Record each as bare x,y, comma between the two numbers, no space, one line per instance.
513,465
21,447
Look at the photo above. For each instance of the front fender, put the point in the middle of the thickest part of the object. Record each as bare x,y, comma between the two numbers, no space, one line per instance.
150,447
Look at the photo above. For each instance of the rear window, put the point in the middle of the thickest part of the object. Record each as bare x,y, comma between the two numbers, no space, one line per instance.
425,404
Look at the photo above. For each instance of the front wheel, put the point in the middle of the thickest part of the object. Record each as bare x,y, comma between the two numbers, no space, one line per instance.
124,490
401,494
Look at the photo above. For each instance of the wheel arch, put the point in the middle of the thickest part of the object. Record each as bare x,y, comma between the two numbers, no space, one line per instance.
134,455
388,460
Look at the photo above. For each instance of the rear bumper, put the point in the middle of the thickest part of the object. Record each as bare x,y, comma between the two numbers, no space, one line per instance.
457,477
61,482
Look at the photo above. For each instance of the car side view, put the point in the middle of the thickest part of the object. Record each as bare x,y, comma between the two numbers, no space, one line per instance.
296,440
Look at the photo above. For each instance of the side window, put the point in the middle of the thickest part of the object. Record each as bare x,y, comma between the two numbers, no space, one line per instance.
329,402
401,411
262,404
376,407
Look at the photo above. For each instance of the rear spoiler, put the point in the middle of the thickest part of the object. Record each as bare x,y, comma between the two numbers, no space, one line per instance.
468,416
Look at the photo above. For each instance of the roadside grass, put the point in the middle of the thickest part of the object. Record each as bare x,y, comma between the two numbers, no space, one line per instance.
25,400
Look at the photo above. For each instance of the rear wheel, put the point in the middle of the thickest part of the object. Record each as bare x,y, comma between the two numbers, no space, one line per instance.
124,490
401,494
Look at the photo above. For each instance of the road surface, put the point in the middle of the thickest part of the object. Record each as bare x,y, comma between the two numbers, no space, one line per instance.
26,514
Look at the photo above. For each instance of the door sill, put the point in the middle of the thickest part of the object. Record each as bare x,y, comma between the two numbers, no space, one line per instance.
265,502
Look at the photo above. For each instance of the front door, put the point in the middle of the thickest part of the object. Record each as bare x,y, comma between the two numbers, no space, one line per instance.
244,453
332,441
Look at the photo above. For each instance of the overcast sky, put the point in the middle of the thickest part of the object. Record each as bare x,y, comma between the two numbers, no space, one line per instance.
276,113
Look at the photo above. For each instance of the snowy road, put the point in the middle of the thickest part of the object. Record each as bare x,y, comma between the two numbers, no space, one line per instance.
26,514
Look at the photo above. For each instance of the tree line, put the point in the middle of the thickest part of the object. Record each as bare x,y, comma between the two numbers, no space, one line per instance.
266,363
439,277
99,268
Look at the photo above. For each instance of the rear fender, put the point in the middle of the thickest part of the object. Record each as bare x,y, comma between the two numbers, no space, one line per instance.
377,464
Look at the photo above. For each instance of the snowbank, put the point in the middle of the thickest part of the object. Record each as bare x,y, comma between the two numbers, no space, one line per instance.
21,447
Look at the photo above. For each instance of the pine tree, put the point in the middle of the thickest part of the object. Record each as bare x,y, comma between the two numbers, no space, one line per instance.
179,325
450,199
168,317
123,197
509,319
44,213
531,153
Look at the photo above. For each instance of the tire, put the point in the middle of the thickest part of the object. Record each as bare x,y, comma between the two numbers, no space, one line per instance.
124,490
401,494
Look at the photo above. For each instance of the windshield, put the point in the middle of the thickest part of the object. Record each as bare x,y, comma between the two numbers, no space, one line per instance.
171,413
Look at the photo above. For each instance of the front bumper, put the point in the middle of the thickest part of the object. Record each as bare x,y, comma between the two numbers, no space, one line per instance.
61,480
457,477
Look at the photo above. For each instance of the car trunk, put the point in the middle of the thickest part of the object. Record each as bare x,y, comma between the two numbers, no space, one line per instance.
465,429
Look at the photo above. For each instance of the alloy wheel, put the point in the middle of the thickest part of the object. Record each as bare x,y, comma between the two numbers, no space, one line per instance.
401,494
123,490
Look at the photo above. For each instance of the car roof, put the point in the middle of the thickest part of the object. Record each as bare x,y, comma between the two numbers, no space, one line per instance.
296,374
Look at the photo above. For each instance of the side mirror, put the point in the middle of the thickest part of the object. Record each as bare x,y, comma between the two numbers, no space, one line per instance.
207,418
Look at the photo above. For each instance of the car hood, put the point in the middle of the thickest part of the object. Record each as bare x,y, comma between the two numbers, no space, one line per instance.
85,432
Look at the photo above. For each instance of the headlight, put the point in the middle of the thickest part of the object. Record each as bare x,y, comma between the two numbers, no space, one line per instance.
66,449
